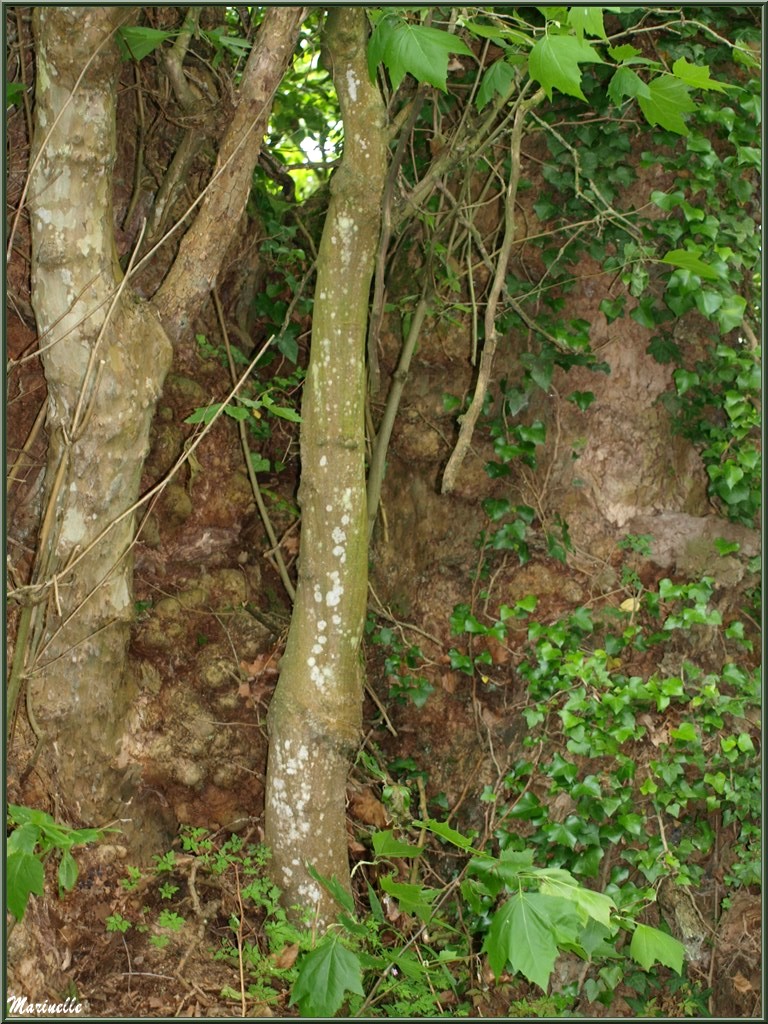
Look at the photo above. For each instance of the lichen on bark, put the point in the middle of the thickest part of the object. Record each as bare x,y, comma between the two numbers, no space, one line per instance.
315,714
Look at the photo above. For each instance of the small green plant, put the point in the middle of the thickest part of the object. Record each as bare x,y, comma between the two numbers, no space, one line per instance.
133,880
35,836
118,923
401,664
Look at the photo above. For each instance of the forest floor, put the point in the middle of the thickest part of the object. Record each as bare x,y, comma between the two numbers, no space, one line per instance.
152,935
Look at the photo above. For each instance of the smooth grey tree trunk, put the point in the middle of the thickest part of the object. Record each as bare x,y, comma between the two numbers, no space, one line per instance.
105,356
315,713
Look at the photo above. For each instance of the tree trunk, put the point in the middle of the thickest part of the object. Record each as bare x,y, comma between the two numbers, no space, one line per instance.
105,356
315,714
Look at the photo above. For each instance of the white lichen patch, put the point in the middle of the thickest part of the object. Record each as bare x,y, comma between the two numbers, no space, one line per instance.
323,462
336,592
321,676
73,527
352,84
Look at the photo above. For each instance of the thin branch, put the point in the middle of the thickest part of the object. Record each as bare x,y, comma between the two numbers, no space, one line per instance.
469,418
275,544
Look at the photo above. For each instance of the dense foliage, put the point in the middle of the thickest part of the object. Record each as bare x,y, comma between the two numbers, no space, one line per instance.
537,883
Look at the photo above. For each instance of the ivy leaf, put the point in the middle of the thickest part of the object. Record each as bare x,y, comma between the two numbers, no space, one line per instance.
668,101
587,19
413,49
731,313
650,946
582,399
325,975
627,82
525,932
689,261
554,62
697,76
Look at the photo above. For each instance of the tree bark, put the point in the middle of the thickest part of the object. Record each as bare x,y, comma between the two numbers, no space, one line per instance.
105,356
315,713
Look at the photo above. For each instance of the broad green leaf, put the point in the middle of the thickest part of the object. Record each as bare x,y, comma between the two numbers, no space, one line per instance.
237,412
341,894
283,411
668,101
697,76
626,82
20,815
689,261
596,941
650,946
498,33
622,53
496,81
413,899
136,42
440,828
497,873
595,905
24,839
67,871
325,976
587,19
414,49
554,63
24,875
386,845
525,933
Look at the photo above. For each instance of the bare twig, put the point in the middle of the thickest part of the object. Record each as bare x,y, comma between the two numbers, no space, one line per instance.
274,543
469,419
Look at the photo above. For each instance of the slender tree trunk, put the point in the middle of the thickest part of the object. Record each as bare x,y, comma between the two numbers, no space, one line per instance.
315,714
105,356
